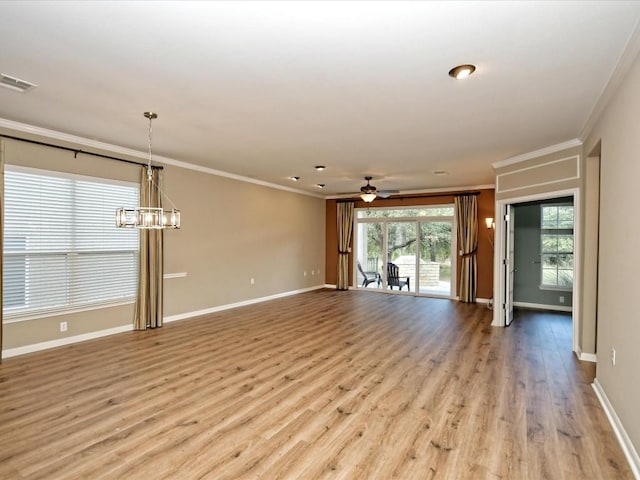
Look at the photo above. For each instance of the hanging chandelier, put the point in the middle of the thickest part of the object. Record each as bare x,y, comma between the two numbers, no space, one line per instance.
148,218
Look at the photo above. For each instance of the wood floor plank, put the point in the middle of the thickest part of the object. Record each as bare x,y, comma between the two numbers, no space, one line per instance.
325,384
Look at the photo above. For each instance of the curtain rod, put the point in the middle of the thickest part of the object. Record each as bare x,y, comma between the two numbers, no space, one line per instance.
77,151
453,193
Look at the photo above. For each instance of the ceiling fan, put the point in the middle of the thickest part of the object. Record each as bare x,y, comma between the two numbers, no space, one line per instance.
370,192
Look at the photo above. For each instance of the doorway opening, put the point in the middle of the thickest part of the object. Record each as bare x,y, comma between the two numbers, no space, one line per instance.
551,261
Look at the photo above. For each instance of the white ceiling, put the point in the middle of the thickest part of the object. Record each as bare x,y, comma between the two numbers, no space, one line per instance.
267,90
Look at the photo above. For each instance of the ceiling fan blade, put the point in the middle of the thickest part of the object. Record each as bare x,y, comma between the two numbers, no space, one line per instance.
386,193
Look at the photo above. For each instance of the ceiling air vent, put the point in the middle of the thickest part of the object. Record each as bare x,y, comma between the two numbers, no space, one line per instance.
15,83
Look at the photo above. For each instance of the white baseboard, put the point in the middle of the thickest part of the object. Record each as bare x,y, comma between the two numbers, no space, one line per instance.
36,347
586,357
540,306
625,442
219,308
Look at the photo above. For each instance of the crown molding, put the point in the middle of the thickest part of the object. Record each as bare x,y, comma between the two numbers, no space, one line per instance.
538,153
620,71
115,149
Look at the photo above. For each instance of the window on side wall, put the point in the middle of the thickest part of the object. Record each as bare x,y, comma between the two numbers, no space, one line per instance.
62,250
556,240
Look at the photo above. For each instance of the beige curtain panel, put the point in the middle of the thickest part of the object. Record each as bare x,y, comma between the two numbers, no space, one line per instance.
345,229
148,311
467,222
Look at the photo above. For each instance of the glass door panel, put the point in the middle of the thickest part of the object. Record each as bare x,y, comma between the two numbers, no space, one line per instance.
401,251
368,272
435,258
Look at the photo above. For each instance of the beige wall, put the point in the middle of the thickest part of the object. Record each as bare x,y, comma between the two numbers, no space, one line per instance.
548,173
231,231
618,133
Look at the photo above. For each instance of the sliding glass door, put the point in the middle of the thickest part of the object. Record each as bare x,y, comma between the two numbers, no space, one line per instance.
406,249
436,257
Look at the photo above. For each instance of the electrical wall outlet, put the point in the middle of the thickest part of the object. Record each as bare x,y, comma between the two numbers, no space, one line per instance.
63,326
561,299
613,357
253,281
305,273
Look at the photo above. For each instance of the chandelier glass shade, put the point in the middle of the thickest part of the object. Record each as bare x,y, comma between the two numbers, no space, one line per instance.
149,217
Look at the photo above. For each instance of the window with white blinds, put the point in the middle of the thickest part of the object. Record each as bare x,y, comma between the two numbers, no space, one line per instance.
62,250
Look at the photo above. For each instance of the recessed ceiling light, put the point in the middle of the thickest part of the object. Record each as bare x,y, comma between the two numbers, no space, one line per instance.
440,172
319,167
320,185
295,179
462,71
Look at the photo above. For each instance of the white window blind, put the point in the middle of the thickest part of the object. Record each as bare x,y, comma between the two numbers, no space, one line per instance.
62,250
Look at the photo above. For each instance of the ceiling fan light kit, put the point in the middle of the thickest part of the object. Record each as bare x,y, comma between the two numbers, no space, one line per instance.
368,191
368,197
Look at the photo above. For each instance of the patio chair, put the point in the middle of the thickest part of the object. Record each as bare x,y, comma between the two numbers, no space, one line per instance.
393,278
369,277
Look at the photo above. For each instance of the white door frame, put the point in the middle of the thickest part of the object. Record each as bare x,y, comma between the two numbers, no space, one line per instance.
499,257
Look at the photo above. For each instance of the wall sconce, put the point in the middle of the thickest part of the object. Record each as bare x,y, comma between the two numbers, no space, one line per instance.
490,223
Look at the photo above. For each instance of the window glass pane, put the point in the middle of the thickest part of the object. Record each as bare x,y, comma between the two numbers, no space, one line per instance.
401,250
565,243
565,278
427,211
435,257
565,261
439,212
565,217
62,249
557,243
549,243
549,261
549,217
369,250
549,276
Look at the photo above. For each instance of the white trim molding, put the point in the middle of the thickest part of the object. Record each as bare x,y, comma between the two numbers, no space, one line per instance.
540,306
174,275
108,147
621,434
587,357
534,167
537,153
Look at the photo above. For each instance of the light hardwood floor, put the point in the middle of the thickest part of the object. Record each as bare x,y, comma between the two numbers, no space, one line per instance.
326,384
